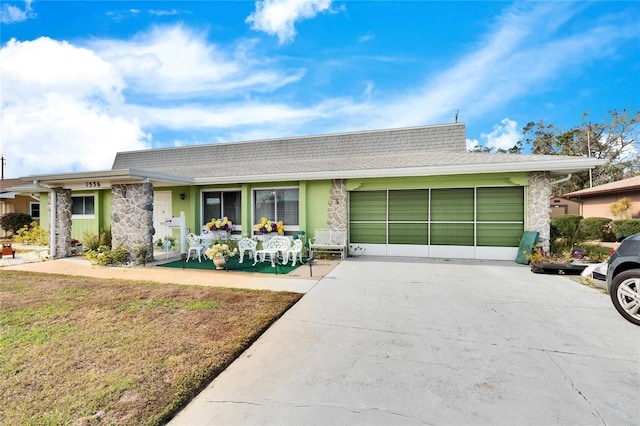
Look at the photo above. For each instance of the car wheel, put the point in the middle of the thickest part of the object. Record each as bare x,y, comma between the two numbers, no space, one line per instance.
625,294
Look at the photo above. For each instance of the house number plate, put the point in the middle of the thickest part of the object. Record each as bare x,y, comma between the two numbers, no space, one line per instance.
93,184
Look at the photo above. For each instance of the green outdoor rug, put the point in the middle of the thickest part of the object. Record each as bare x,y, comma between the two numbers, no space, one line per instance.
233,265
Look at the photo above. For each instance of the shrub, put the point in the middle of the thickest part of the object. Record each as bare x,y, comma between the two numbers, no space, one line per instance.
32,235
566,232
596,228
625,227
104,256
567,225
13,222
105,237
621,208
90,240
120,255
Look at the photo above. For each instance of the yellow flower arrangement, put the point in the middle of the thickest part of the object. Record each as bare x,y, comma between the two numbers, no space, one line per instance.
265,226
223,224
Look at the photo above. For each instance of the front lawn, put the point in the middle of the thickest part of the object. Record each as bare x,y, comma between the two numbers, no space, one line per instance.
76,350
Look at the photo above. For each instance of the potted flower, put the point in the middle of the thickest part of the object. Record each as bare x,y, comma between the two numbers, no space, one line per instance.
223,224
219,253
167,243
266,226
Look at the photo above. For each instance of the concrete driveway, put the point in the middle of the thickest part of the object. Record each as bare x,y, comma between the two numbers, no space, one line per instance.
404,342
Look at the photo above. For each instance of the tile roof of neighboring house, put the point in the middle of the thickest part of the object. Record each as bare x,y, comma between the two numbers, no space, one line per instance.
624,185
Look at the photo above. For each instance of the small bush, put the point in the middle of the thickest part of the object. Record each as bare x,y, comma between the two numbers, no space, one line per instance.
13,222
596,228
32,235
626,227
120,255
105,237
567,225
90,240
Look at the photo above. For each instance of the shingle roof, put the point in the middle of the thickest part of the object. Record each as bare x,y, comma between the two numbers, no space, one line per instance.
344,151
8,184
624,185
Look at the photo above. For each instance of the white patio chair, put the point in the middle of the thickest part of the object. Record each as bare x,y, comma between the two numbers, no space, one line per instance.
295,251
248,245
195,247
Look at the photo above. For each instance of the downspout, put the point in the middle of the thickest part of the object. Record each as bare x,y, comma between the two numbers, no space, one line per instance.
52,218
564,179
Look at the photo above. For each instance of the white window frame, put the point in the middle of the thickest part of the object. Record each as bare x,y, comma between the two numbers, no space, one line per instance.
254,220
204,220
84,215
31,204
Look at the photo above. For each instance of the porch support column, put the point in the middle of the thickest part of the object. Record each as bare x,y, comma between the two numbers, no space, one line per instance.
337,211
539,211
62,226
132,217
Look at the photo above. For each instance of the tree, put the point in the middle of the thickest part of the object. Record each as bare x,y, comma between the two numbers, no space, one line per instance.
615,141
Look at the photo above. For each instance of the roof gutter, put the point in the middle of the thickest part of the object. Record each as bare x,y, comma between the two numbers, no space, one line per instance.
52,217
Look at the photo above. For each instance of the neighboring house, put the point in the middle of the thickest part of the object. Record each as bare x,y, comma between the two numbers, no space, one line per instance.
399,192
595,202
560,206
12,202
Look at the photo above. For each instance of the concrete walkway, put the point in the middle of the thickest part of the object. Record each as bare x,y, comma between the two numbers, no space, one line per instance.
402,342
299,280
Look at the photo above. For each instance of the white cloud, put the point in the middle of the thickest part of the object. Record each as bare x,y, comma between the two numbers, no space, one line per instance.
176,62
367,37
503,136
278,17
171,12
10,14
59,109
523,54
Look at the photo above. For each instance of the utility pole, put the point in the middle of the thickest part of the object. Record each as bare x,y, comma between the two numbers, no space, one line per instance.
589,153
2,160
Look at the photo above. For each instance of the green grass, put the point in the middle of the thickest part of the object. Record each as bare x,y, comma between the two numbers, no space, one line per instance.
129,353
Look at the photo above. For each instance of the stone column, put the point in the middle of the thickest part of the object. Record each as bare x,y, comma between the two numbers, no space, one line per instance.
539,211
132,217
63,222
337,211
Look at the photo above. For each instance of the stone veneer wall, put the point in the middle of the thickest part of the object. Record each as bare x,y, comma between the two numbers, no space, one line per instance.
539,211
132,217
63,222
337,211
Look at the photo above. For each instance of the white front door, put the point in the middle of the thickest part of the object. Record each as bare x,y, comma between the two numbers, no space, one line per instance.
161,211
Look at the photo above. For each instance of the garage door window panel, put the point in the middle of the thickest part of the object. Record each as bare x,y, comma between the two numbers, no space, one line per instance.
452,234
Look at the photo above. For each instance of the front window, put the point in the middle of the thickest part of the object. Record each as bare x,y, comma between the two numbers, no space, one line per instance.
218,204
83,206
277,205
34,210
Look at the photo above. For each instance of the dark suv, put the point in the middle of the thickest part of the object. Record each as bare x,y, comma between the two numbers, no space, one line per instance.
623,279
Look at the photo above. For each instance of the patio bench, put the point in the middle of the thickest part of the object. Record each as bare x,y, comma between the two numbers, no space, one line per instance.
329,241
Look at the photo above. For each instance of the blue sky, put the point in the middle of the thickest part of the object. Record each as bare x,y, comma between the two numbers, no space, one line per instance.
82,80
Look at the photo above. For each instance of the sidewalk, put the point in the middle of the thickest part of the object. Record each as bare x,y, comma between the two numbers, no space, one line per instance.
300,280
